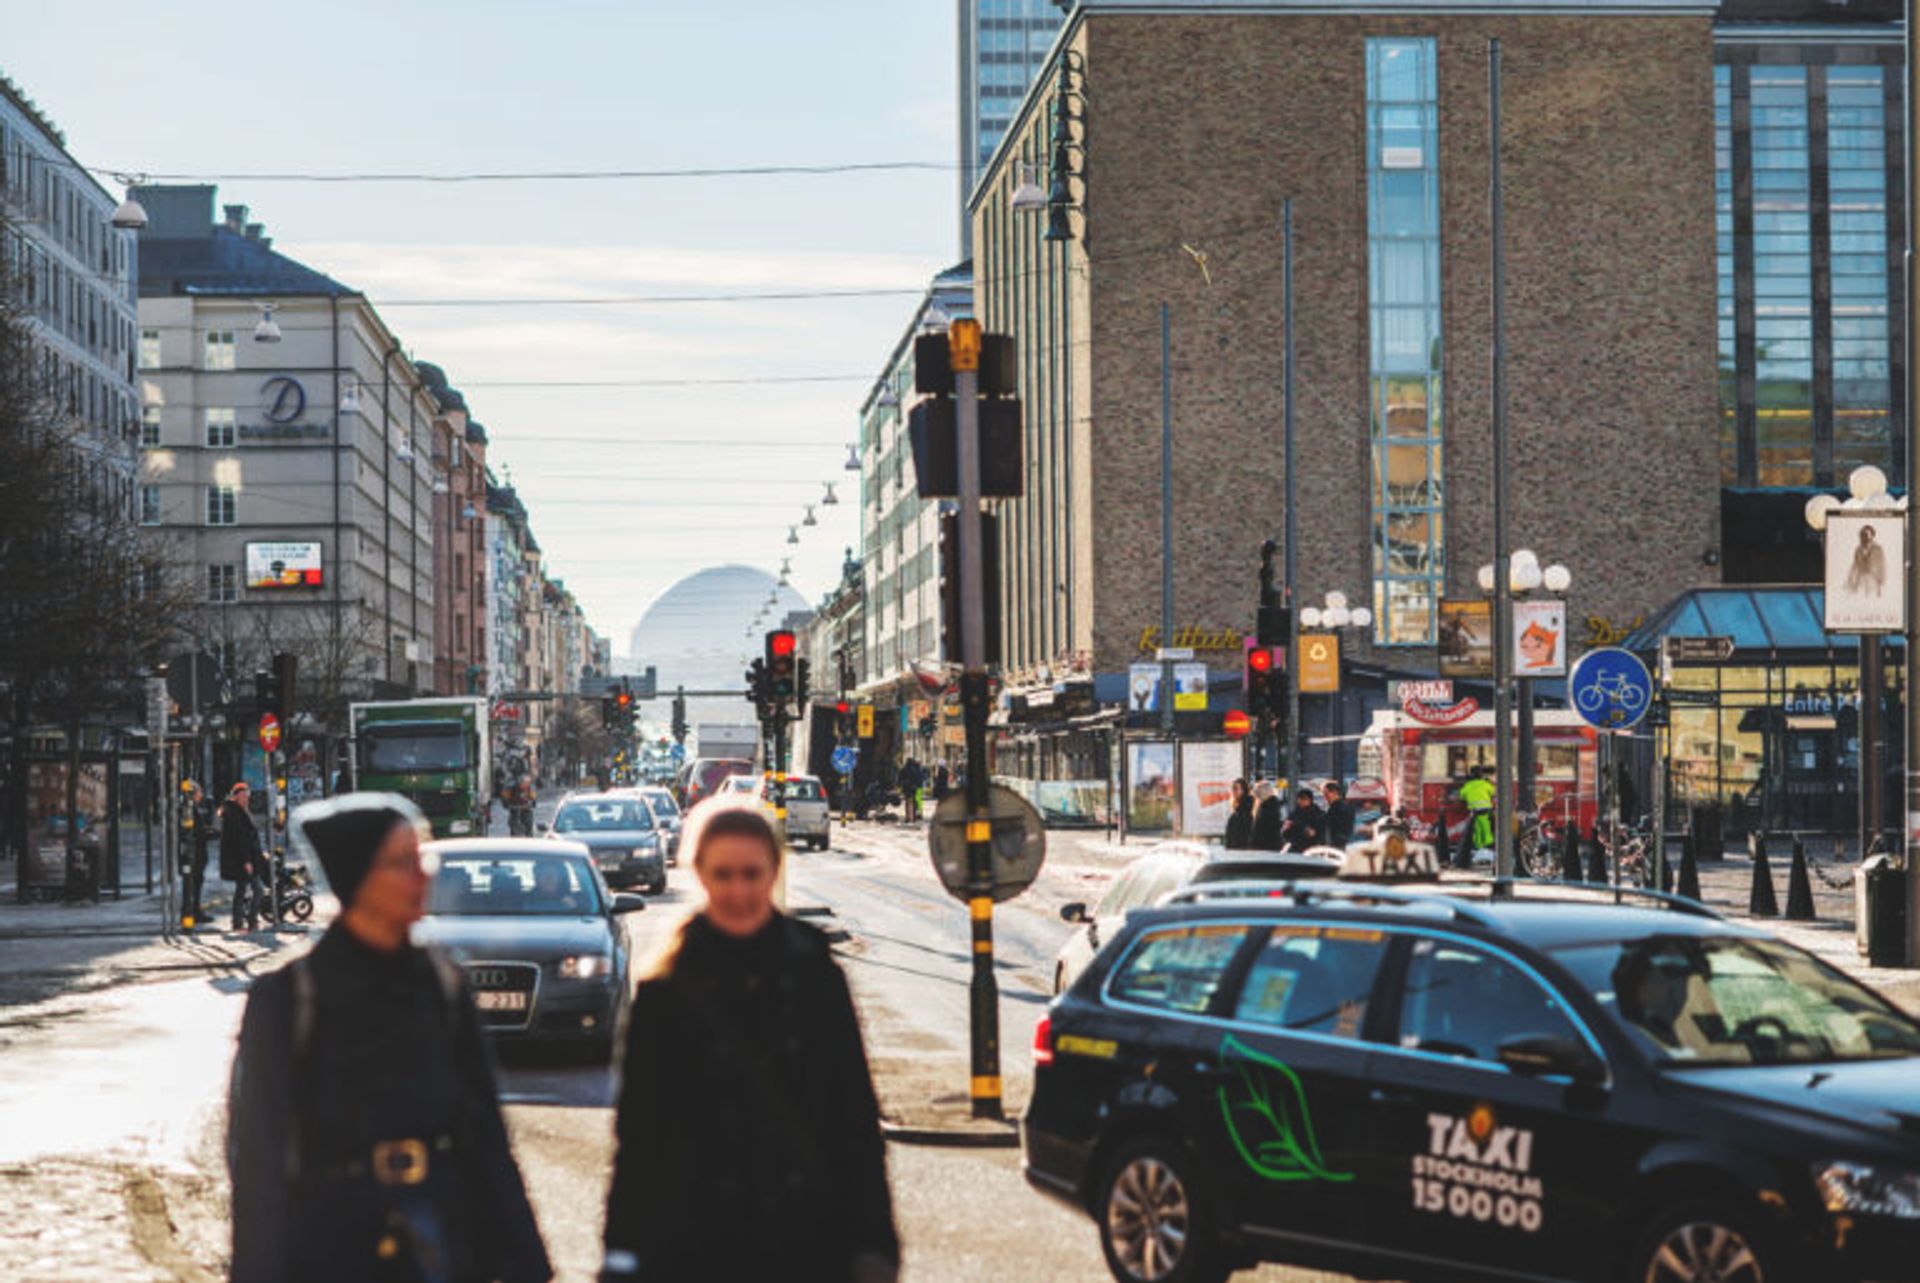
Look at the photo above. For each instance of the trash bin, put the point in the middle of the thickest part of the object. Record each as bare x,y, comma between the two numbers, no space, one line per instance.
1880,911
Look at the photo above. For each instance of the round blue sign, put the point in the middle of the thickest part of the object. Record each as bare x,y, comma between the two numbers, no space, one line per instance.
844,758
1610,688
678,753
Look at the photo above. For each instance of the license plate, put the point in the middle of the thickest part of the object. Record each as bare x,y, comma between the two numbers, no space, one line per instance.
502,1001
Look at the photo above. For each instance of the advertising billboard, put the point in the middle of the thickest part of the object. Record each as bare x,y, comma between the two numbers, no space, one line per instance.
284,565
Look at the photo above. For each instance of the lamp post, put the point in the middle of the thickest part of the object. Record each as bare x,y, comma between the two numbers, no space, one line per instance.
1524,575
1868,492
1333,615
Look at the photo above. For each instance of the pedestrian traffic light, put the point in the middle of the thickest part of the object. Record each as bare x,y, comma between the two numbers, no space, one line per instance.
286,672
267,686
782,654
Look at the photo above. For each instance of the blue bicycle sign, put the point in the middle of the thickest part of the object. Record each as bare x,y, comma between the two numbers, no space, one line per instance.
1610,688
845,757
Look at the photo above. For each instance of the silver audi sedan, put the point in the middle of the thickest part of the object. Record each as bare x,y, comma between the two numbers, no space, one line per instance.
540,936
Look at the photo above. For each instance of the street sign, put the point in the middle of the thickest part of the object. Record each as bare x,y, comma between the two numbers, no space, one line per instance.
845,757
1019,843
1172,654
1610,688
1697,698
864,717
269,732
1697,650
1319,664
678,753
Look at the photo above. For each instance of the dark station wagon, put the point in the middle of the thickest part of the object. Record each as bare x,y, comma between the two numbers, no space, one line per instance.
1491,1082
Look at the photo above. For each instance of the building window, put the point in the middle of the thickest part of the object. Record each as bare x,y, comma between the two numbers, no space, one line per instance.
220,429
149,349
1782,278
1404,384
149,505
223,583
220,349
149,426
1857,243
221,505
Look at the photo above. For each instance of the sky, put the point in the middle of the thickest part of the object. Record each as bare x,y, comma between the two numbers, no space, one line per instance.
629,488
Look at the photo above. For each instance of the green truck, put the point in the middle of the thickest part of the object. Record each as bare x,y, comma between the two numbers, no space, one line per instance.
434,751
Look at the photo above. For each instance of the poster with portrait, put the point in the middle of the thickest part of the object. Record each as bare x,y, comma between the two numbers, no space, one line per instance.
1150,786
1540,638
1866,592
1466,638
1143,688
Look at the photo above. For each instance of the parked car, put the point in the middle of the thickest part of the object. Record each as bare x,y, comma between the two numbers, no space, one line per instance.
705,775
619,832
809,818
1523,1083
539,935
1157,873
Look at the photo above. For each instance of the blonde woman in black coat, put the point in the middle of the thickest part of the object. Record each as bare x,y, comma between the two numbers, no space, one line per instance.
749,1135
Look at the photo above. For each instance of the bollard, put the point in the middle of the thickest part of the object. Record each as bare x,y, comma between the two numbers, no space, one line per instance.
1597,861
1799,885
1570,854
1760,899
1689,884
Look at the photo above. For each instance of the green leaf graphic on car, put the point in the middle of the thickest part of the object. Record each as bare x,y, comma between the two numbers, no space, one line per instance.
1266,1112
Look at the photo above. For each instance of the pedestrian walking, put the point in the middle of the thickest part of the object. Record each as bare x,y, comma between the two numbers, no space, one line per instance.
943,783
1267,816
1339,814
912,778
767,1162
364,1133
1306,825
198,821
241,859
1240,819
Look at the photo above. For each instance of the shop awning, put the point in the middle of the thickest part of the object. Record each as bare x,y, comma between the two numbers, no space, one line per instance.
1762,620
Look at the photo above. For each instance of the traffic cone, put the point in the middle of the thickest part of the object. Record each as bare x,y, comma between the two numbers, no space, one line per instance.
1570,854
1799,885
1689,884
1597,860
1761,902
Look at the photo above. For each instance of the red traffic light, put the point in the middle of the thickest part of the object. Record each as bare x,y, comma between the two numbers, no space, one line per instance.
1260,659
782,644
624,698
843,708
1236,723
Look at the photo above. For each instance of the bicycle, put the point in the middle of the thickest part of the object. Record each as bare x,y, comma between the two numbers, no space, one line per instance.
1537,848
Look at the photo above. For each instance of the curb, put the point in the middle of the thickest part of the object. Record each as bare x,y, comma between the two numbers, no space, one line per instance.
1007,1137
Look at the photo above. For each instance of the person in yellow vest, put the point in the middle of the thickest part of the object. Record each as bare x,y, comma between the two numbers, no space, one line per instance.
1478,793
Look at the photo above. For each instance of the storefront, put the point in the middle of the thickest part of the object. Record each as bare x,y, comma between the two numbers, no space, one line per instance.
1771,734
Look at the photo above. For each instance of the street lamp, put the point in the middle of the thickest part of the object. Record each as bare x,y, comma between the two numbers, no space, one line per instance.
1524,575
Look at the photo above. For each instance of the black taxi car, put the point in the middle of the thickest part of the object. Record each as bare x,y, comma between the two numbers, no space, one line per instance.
1483,1084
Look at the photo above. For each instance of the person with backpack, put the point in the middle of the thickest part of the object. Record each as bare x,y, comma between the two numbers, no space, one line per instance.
365,1139
748,1134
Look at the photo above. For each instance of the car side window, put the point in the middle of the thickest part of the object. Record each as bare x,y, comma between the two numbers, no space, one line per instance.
1115,901
1463,1001
1312,979
1178,968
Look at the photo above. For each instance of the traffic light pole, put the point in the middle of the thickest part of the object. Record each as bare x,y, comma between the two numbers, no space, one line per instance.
1291,516
984,991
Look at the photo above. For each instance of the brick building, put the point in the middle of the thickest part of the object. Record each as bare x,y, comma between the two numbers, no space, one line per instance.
1374,120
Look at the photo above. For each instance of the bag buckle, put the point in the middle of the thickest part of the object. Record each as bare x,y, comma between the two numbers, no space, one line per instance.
400,1162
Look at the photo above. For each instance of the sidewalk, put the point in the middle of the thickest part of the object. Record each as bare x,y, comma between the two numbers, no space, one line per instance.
51,949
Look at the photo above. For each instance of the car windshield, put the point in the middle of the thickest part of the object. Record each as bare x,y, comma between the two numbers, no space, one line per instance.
663,804
805,791
520,886
615,815
414,748
1737,1001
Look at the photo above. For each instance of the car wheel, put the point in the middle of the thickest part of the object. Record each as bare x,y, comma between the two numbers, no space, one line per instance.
1156,1225
1706,1242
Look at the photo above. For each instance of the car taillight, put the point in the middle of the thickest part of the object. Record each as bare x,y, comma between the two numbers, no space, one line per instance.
1043,1041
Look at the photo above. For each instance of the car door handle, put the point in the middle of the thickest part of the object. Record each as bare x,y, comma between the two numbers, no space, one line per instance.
1387,1096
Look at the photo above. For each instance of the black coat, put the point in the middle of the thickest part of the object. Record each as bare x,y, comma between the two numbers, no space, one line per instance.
748,1135
199,820
239,841
1339,820
1240,826
393,1052
1266,825
1306,827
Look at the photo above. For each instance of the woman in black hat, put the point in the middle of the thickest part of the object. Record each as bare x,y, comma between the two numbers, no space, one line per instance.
749,1137
365,1140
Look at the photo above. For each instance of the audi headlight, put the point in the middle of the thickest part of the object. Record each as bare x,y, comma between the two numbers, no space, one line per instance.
586,966
1868,1191
641,852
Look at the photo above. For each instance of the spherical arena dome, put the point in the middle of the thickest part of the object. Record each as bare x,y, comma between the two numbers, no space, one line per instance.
696,635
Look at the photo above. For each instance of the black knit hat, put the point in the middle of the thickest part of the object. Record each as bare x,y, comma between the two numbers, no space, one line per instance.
346,833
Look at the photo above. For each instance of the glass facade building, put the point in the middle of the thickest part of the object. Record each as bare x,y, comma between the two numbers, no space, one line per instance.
1404,324
1002,44
1808,245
